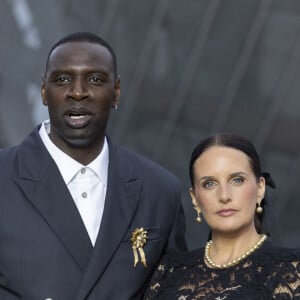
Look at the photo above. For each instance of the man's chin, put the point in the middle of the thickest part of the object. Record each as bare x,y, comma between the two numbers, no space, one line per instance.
79,138
79,142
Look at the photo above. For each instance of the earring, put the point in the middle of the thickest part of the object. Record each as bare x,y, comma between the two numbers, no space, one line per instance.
198,210
115,106
259,209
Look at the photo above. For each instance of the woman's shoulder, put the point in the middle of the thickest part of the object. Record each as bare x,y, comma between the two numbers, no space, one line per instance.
269,256
276,254
187,258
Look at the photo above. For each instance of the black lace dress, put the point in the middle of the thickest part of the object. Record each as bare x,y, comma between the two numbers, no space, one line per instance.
268,273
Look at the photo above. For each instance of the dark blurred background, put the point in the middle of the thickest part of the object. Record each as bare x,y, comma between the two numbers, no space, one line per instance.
189,68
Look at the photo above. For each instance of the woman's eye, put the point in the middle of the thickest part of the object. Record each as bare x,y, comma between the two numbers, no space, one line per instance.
238,180
208,184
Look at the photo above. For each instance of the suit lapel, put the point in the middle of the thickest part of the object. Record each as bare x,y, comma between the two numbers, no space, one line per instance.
40,180
123,193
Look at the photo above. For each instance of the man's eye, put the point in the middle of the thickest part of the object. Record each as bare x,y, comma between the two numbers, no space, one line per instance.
96,80
62,79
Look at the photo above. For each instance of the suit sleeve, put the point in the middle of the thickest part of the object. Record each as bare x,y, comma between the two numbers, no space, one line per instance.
177,241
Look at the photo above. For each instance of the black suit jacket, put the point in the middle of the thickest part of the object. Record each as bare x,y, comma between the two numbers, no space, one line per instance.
45,251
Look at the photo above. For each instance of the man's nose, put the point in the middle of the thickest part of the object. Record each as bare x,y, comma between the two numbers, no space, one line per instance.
78,90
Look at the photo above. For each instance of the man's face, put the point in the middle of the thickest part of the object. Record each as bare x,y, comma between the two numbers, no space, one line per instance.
79,89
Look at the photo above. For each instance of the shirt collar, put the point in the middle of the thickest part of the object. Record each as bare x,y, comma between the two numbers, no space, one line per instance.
68,166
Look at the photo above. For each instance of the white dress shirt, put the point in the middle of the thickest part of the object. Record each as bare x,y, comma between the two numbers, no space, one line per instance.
87,184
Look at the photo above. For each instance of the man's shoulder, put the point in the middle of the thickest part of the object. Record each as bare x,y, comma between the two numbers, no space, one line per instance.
142,164
10,153
7,152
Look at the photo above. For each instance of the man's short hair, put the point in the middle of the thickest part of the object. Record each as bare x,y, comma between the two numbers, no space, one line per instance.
84,37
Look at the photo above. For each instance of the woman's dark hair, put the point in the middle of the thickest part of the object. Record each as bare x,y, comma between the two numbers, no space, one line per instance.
235,142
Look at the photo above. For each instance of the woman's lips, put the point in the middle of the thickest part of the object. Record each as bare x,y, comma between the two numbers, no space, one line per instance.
78,121
226,212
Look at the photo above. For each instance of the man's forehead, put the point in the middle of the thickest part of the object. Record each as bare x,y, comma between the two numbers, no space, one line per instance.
80,53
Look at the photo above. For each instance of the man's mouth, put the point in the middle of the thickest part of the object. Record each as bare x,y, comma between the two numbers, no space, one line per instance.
78,119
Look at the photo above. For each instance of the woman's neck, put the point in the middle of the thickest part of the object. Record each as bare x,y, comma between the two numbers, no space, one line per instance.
226,248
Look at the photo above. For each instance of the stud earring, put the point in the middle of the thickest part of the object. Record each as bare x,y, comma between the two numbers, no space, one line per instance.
259,209
115,106
198,210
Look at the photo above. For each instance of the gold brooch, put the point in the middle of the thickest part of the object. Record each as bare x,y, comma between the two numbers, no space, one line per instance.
139,238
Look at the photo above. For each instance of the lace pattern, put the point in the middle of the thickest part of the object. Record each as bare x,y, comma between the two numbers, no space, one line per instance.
269,273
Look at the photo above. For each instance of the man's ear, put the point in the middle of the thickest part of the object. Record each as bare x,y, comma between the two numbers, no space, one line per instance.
117,91
43,91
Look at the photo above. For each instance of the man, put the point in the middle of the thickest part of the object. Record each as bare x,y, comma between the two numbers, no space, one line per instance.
82,218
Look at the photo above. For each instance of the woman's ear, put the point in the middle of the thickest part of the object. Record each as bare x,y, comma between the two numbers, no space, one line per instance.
261,189
192,194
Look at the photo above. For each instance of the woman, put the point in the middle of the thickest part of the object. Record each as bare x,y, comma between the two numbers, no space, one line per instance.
239,262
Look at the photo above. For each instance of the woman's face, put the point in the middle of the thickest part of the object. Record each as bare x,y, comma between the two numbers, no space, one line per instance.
226,189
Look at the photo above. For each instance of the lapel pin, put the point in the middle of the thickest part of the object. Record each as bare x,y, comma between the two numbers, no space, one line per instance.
139,238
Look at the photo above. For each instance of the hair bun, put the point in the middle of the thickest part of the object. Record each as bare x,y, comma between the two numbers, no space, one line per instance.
269,180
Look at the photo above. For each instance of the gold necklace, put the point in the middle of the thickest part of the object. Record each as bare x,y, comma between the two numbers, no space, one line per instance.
236,260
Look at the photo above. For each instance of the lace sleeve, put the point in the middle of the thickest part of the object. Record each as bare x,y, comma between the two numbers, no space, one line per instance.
155,282
287,285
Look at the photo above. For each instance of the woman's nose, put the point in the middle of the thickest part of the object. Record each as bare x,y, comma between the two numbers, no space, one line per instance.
224,193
